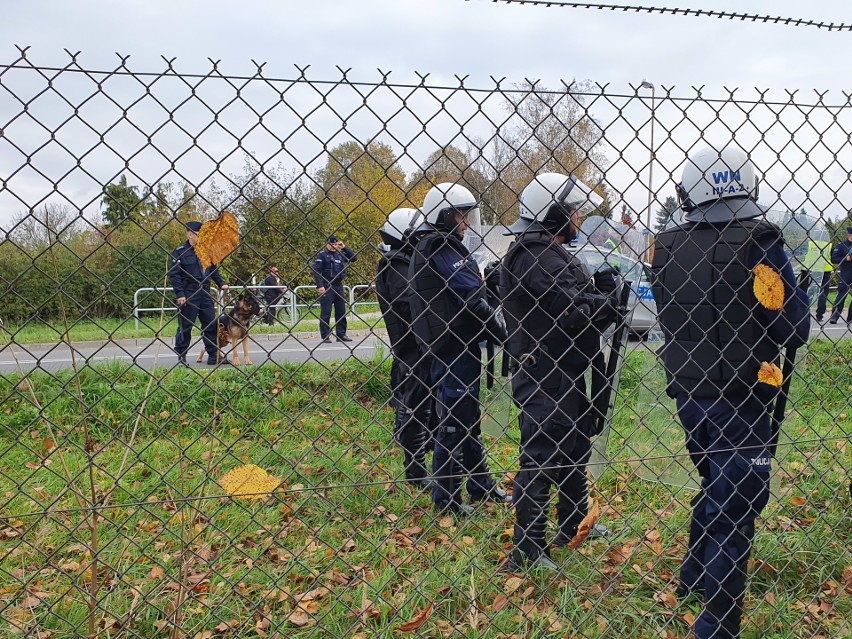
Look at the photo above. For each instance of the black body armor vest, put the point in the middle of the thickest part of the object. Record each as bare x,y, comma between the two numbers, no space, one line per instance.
438,315
703,288
535,323
392,291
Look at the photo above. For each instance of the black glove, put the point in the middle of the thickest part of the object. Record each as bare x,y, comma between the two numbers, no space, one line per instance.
604,310
496,328
605,280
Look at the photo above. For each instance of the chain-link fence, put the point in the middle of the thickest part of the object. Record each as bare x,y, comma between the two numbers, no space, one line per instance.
142,497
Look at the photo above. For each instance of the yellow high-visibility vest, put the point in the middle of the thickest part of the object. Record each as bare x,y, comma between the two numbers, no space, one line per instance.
818,257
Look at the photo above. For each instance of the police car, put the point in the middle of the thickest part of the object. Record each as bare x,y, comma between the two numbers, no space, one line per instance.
643,310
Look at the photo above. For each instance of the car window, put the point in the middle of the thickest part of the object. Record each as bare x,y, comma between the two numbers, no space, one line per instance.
595,260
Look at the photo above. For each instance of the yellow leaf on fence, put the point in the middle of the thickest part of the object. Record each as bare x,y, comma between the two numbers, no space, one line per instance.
586,526
217,239
770,374
249,482
768,287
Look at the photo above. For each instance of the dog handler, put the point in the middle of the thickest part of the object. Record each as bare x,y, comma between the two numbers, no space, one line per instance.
191,285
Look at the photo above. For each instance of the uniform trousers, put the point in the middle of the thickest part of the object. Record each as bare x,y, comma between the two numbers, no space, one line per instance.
198,305
728,441
459,453
335,297
555,448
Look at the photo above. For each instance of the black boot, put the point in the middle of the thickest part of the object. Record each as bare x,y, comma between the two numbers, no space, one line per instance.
411,438
446,467
726,559
532,499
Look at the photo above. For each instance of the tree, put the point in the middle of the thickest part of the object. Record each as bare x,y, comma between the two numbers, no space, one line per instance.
121,202
356,190
546,130
665,212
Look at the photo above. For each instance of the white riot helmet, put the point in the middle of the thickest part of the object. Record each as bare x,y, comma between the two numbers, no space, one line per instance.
444,201
547,203
718,186
398,226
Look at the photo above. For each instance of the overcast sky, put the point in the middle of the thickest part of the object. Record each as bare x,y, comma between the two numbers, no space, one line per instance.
452,37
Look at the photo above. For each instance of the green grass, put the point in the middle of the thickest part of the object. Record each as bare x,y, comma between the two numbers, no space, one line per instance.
342,520
39,332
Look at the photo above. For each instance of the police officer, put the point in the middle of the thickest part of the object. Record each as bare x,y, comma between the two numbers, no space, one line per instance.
718,333
842,255
191,285
554,315
450,315
411,370
329,272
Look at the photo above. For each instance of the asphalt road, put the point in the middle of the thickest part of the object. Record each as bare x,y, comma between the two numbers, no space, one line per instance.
279,348
149,353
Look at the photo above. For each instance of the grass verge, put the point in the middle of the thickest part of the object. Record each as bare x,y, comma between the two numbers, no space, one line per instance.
344,549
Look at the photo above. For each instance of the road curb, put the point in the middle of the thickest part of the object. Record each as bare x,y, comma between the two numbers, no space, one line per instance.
147,342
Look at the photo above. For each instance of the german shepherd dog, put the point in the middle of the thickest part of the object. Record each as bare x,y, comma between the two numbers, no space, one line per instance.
234,326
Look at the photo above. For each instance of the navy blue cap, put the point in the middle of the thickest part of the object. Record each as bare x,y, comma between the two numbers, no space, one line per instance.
193,226
849,230
332,239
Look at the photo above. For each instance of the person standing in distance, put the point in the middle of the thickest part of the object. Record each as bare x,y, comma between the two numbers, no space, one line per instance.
273,292
450,316
411,369
842,255
329,272
720,327
555,314
191,285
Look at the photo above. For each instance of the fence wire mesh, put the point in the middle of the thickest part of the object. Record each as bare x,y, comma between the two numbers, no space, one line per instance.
142,497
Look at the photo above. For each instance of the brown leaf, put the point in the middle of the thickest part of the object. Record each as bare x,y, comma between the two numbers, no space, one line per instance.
446,522
512,584
689,618
586,526
30,601
299,618
798,502
414,624
217,239
666,599
311,595
499,603
769,598
156,573
47,445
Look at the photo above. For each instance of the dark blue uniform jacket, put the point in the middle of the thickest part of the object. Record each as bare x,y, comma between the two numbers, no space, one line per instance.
330,267
186,275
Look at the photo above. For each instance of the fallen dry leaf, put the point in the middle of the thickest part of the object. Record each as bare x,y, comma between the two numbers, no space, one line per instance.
299,618
798,501
157,572
666,599
414,624
500,602
586,526
512,584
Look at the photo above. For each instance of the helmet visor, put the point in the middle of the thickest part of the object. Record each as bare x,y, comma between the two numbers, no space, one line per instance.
578,196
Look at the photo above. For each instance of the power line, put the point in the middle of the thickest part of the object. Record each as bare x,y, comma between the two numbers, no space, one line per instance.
698,13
